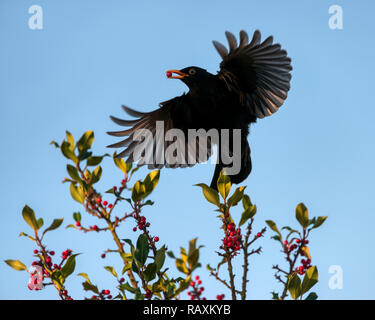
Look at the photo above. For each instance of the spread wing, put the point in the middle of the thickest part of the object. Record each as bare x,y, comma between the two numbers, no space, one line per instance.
163,147
258,71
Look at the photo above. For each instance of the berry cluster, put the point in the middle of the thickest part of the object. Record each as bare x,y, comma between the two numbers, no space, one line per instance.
220,296
290,246
66,254
306,264
142,224
233,238
196,291
103,295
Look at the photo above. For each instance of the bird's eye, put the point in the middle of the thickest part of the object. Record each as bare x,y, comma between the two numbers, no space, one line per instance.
192,72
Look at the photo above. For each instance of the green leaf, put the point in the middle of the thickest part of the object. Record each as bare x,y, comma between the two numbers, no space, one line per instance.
193,258
319,222
294,286
306,251
312,296
90,287
111,270
273,226
67,152
210,194
150,272
180,264
138,191
54,225
151,181
29,216
302,215
77,193
246,203
126,286
120,163
248,214
236,197
96,174
55,144
85,142
84,275
160,258
129,242
73,172
141,251
126,267
70,140
134,266
16,265
94,161
223,185
77,216
40,223
171,254
310,279
69,266
275,295
26,235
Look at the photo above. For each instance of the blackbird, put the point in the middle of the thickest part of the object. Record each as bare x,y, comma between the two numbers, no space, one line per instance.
253,82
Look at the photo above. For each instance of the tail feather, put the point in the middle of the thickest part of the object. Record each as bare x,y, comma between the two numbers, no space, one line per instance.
245,170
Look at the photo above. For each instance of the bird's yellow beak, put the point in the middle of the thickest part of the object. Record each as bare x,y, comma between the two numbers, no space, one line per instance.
181,75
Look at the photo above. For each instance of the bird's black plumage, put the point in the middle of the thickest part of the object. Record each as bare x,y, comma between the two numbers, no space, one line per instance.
252,83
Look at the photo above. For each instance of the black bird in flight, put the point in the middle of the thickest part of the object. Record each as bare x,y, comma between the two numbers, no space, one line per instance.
252,83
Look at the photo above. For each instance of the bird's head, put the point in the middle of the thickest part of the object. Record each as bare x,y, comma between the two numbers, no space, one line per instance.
191,76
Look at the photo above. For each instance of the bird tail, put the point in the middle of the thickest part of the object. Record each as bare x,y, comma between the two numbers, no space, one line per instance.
245,166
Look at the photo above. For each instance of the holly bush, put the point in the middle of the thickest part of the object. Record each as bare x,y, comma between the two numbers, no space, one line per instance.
143,275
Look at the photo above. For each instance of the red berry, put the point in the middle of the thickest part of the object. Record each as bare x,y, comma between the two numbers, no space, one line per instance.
196,277
169,74
115,188
135,229
78,224
306,242
192,284
259,235
122,280
110,206
98,200
48,259
103,256
95,228
156,239
35,251
123,181
105,203
109,297
298,240
199,282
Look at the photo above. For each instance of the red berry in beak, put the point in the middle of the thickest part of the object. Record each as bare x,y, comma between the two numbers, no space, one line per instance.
169,74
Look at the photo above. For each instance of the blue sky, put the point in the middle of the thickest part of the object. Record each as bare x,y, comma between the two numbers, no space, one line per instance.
93,56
